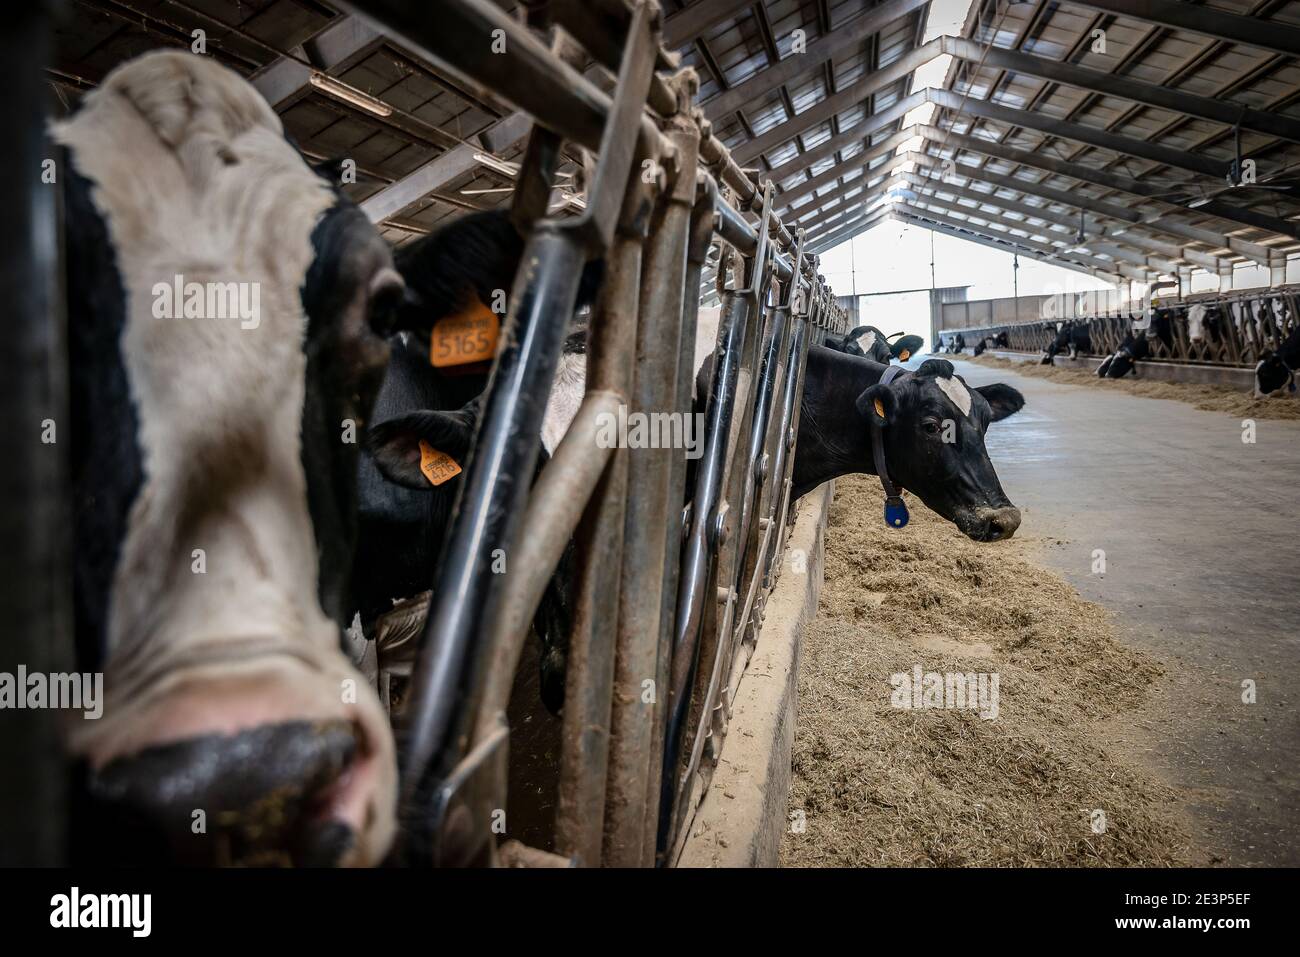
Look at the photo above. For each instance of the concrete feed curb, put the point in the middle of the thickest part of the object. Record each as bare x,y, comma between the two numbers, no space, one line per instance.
741,819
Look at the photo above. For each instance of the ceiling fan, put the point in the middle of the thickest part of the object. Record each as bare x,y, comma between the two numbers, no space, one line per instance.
1194,196
1080,238
1237,170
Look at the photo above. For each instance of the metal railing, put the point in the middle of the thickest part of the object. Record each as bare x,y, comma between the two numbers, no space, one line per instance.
669,600
1228,330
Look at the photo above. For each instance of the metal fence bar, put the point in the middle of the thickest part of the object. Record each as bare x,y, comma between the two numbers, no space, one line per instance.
35,563
640,606
665,599
1235,330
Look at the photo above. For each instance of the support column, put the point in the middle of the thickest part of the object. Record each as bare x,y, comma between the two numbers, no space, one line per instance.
1277,272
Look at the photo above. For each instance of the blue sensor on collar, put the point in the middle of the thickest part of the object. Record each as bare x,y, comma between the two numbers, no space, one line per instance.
896,515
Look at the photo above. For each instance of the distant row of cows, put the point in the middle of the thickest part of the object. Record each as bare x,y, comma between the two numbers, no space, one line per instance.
228,528
1204,328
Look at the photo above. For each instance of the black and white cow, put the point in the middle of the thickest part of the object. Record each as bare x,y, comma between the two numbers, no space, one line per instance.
934,427
213,480
1277,369
869,342
1071,336
934,431
998,341
1124,360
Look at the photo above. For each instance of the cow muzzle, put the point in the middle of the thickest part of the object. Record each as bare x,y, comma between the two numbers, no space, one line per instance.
287,794
988,524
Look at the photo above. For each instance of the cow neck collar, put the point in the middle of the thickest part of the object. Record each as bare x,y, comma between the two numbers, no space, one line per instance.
896,515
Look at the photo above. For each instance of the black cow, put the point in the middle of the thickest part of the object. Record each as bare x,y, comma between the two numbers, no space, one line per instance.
403,517
1277,369
1162,326
217,365
869,342
1071,335
921,412
959,344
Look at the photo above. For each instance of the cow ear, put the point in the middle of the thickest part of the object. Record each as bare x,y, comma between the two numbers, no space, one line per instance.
878,405
395,444
1002,399
905,347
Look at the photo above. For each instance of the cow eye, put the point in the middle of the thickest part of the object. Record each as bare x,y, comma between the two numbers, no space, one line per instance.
931,426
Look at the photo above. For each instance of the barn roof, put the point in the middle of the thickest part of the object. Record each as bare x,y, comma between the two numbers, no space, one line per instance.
1098,135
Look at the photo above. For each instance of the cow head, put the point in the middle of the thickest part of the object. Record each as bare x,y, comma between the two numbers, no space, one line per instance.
214,489
1271,374
469,265
868,342
934,427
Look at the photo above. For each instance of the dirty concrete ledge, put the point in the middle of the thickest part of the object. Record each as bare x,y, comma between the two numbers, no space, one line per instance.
741,820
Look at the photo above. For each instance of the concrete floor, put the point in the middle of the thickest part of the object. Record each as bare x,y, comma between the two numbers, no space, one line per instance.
1203,571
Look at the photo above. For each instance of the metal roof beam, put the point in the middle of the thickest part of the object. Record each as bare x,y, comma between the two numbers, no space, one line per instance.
940,213
1066,221
907,218
830,224
849,97
825,205
686,25
845,38
283,82
1109,84
848,230
1072,200
1251,31
862,161
869,125
1091,135
1098,206
1107,180
442,169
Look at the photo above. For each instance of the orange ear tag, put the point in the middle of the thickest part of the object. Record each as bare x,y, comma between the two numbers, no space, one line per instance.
437,466
880,408
464,337
904,356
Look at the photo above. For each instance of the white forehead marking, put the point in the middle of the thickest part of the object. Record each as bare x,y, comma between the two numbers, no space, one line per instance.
956,391
868,340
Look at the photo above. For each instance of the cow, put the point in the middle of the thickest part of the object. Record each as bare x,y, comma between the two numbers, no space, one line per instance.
933,430
1277,369
451,274
1124,360
1208,322
1071,335
1161,326
213,483
959,344
934,436
870,342
952,473
999,341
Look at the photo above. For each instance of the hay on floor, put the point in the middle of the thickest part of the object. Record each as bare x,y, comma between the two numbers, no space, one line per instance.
879,785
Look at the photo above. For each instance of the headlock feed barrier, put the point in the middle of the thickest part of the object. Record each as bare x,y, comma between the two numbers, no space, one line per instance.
669,601
1210,329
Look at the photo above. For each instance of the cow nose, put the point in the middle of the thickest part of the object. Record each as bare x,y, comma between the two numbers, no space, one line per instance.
1001,523
271,795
